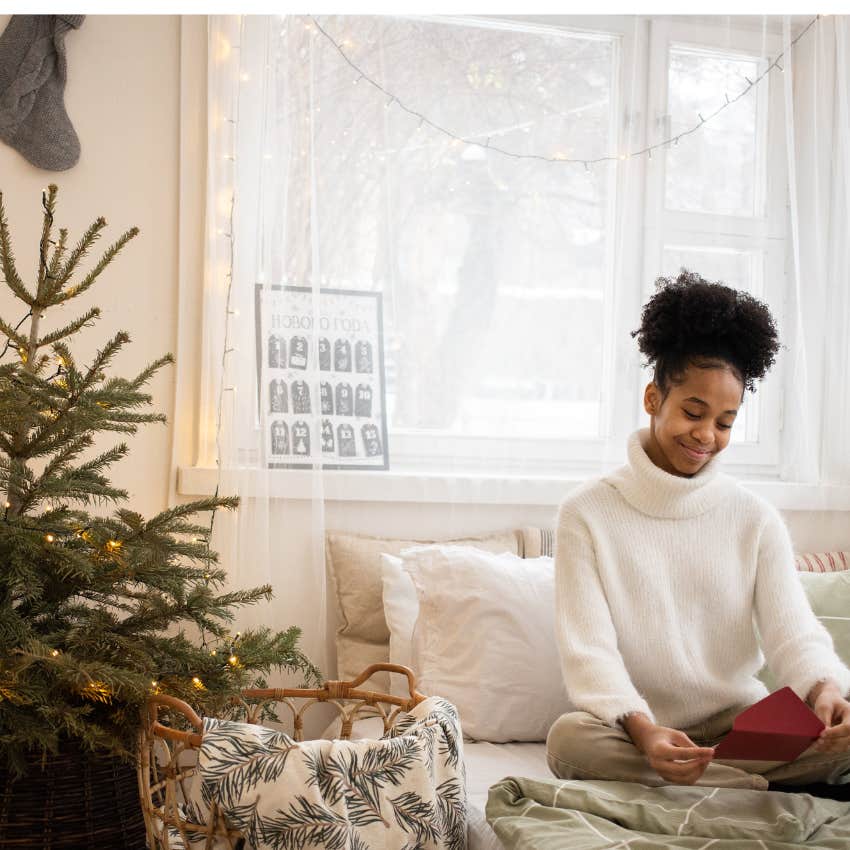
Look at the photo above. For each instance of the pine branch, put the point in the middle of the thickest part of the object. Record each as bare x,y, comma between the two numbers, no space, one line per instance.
82,483
48,202
104,261
67,452
7,261
65,357
78,324
144,376
102,359
80,250
19,340
209,503
56,259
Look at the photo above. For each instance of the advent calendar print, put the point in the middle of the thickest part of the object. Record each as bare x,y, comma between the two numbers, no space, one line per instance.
321,390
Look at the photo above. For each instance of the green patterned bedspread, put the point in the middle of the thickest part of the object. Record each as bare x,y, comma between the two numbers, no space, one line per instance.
529,814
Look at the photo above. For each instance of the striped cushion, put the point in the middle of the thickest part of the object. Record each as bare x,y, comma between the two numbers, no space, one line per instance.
823,562
537,542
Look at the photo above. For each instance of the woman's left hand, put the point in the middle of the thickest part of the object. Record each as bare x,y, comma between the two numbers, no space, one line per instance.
829,704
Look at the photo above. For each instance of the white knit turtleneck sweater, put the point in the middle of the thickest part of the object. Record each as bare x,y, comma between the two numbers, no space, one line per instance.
661,583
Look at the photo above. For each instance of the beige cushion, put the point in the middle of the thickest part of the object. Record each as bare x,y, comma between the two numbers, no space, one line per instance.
354,563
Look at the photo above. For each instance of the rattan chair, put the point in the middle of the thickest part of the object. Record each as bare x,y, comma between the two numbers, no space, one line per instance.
168,756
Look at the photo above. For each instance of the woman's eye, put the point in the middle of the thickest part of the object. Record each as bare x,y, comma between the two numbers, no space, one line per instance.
691,415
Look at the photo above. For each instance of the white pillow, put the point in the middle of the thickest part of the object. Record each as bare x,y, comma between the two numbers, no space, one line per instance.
485,639
401,608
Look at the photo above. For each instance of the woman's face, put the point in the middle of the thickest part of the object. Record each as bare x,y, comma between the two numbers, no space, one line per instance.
695,421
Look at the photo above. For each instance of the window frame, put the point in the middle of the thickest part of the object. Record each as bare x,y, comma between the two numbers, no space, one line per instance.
457,456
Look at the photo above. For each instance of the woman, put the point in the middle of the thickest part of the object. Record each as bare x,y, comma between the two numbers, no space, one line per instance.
671,578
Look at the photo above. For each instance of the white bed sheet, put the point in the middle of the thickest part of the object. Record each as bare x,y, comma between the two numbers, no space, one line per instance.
486,764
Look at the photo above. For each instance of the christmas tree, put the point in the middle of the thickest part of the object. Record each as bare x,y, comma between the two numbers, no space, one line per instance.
99,610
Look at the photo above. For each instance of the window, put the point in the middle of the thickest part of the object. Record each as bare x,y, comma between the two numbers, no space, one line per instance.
510,283
514,282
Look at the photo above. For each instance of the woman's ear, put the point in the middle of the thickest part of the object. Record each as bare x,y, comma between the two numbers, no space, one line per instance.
651,399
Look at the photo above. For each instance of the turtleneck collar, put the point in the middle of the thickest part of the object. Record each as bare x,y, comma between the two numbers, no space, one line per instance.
661,494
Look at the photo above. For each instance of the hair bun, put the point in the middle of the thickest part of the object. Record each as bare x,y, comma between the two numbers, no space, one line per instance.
689,317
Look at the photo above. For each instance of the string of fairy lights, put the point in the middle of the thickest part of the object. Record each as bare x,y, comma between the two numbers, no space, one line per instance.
229,234
393,101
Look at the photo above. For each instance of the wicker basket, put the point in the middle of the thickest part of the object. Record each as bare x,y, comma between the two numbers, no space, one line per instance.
74,800
167,755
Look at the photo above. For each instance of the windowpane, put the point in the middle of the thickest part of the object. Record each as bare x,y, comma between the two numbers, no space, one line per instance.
738,269
493,268
717,169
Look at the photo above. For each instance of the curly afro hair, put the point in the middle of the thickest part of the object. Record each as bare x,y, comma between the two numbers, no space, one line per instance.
691,321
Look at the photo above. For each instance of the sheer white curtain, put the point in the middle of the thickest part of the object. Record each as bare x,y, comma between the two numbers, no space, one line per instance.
492,181
820,187
268,540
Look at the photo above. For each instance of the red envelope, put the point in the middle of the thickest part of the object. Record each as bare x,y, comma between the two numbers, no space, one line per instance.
778,728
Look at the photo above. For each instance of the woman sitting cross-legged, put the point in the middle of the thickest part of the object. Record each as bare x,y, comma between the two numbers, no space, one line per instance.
672,579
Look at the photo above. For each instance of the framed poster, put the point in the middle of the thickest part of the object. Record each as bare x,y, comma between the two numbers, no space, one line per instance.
322,391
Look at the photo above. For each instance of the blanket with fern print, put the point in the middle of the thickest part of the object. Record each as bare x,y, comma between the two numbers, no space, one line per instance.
405,790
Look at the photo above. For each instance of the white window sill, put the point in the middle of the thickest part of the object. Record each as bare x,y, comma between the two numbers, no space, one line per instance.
424,488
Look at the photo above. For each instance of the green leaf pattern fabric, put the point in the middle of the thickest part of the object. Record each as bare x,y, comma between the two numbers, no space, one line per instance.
406,790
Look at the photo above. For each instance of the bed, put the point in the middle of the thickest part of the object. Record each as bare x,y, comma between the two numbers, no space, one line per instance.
508,691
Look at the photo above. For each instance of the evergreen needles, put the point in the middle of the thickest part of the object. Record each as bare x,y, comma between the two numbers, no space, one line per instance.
97,610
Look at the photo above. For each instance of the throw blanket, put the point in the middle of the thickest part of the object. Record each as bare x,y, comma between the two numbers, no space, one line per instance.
586,815
406,790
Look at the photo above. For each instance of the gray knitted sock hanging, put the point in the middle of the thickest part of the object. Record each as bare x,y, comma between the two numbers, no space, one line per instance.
33,119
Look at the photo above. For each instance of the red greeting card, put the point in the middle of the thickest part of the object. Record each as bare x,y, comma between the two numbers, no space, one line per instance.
778,728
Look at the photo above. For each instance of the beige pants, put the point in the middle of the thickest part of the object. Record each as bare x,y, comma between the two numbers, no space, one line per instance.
581,746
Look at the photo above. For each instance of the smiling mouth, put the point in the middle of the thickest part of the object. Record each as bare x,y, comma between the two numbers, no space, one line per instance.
694,454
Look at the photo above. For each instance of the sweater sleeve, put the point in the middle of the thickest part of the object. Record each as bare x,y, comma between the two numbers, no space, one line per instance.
594,673
798,649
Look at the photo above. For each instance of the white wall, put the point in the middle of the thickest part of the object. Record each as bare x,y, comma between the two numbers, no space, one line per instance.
122,97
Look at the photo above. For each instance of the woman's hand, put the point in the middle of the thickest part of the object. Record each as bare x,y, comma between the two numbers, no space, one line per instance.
670,752
828,703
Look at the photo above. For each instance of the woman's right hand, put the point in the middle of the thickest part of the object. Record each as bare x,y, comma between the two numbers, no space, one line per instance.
675,757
